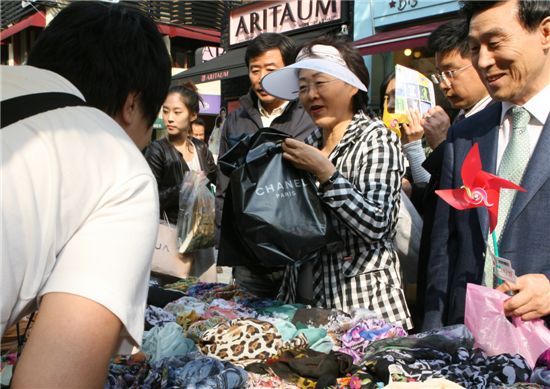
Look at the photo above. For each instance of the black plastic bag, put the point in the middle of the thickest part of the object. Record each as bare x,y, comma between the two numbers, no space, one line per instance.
272,215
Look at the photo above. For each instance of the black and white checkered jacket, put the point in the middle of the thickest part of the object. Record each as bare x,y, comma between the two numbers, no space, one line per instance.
364,200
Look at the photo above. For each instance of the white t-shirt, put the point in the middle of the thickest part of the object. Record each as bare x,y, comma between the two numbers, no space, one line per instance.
268,117
79,208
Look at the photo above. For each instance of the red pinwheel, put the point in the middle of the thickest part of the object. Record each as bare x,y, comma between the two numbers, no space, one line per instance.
480,189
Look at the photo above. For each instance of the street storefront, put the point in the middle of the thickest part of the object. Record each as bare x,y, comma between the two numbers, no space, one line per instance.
187,25
301,20
220,336
394,32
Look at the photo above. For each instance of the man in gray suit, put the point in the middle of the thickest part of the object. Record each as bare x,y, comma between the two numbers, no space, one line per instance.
510,46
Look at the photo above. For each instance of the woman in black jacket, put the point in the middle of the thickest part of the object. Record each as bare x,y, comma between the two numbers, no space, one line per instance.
177,153
170,157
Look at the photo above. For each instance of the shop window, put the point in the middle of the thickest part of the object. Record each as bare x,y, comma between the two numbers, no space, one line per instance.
4,53
418,58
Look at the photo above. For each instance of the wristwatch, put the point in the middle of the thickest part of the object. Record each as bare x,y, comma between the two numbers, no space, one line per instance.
330,181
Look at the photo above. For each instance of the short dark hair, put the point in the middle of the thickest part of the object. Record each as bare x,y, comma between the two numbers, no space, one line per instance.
530,12
355,63
383,87
189,96
218,120
200,122
107,51
268,41
449,37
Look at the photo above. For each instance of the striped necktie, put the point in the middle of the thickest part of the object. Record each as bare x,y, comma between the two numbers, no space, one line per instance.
512,166
513,163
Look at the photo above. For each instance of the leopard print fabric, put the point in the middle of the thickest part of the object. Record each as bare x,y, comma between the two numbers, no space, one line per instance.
244,341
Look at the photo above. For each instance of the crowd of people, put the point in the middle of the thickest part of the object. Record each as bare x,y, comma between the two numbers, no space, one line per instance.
83,188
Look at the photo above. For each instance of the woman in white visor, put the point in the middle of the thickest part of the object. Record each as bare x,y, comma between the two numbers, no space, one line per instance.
358,164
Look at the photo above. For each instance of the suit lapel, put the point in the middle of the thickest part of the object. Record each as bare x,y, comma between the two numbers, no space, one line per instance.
488,146
536,174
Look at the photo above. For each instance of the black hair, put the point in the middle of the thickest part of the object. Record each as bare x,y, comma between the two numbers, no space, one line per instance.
530,12
107,51
383,87
218,121
268,41
189,96
449,37
353,60
200,122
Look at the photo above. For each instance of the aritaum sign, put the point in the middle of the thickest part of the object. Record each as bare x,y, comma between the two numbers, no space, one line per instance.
249,21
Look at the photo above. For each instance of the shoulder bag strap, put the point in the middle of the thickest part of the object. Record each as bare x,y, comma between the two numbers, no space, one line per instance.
21,107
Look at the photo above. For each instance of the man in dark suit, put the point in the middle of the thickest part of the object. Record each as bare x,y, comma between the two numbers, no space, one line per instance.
510,46
463,88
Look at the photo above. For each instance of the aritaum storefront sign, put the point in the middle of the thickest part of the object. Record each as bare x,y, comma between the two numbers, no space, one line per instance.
249,21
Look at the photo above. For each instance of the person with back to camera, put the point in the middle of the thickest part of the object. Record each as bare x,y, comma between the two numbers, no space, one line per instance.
177,153
264,54
79,203
358,165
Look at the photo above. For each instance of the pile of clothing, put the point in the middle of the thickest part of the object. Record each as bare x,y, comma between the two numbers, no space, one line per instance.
220,336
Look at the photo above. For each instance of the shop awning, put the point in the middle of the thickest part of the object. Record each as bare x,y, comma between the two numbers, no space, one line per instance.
228,65
37,19
408,37
190,32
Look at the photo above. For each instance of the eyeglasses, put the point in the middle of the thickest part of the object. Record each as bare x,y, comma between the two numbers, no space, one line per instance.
447,76
305,87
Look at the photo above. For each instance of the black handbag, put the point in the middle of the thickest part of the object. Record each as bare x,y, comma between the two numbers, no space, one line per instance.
272,214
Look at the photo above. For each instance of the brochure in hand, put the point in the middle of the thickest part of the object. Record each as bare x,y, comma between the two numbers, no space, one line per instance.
413,91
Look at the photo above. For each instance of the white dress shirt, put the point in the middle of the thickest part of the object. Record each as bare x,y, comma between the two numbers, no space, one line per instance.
539,109
267,117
